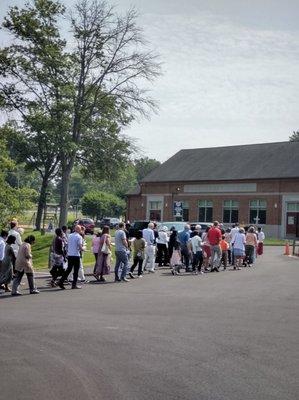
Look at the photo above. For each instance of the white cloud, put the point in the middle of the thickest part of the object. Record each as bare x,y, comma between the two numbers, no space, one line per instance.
223,84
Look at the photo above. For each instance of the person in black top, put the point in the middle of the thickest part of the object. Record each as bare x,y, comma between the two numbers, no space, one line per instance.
58,256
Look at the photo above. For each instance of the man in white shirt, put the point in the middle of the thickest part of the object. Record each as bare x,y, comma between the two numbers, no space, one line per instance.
260,239
149,254
162,242
14,232
75,246
233,232
196,247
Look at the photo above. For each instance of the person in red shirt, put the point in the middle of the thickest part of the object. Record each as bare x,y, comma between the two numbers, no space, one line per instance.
214,236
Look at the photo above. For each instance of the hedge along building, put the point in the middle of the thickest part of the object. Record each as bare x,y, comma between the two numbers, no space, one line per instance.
250,184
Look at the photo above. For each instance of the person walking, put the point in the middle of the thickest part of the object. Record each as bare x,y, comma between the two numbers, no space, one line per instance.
121,253
3,237
75,247
58,256
196,247
65,236
214,236
95,246
233,232
239,248
176,259
184,237
260,238
250,246
7,264
150,250
224,245
206,249
103,263
173,238
162,243
24,265
228,238
138,254
15,232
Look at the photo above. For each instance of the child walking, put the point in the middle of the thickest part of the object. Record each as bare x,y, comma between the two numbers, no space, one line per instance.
224,245
176,259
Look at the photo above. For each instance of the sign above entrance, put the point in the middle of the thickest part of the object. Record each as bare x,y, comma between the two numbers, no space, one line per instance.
221,188
178,208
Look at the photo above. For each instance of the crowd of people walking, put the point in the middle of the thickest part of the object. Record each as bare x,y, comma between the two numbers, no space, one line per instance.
194,250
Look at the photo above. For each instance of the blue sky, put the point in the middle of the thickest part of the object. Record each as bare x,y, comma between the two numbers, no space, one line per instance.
230,72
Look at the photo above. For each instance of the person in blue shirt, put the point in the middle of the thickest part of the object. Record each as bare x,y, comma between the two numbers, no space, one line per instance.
184,237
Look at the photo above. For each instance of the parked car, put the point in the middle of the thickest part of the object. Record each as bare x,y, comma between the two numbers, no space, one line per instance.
203,225
111,222
88,224
178,225
137,226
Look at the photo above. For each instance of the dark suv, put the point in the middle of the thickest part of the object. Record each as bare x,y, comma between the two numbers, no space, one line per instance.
88,224
137,226
111,222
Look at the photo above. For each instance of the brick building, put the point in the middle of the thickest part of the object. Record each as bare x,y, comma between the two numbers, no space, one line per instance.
250,184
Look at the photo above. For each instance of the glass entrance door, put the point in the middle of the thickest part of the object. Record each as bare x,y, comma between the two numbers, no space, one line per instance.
292,228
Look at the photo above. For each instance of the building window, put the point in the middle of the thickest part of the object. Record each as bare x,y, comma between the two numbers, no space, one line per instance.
258,211
205,211
155,210
230,211
293,207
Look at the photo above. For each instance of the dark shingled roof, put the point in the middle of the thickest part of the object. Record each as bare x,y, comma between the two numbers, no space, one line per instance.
253,161
134,191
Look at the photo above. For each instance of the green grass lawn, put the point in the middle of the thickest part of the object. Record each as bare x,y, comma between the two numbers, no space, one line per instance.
274,242
40,250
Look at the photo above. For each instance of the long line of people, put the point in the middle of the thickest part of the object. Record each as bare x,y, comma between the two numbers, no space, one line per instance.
196,251
200,252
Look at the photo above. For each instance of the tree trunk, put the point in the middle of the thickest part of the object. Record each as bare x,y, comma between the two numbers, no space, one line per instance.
41,203
64,192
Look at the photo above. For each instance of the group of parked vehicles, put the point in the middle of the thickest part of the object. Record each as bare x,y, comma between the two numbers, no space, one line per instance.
90,225
178,225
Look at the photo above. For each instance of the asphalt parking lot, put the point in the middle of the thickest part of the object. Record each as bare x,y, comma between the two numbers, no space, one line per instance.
222,336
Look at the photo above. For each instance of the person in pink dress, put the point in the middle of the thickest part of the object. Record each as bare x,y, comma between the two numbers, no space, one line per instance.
95,245
104,256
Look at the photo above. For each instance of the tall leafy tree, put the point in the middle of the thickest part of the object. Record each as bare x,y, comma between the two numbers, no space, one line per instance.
125,181
98,204
294,137
12,201
35,145
33,71
90,86
144,166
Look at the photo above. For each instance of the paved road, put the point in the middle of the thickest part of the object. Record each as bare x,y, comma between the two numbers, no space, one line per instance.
221,336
